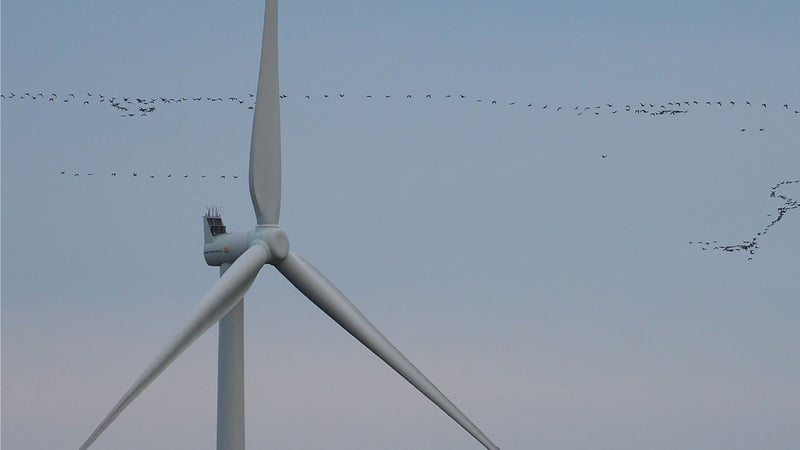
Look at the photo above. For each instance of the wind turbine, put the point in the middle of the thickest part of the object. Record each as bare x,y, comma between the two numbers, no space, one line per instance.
241,255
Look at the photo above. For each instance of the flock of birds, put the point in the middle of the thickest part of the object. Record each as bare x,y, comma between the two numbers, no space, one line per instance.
750,246
139,175
142,107
128,106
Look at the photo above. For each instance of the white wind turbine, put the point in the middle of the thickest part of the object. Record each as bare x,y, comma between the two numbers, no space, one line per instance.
241,255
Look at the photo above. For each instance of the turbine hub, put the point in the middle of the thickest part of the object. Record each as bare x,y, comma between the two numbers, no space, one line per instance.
275,239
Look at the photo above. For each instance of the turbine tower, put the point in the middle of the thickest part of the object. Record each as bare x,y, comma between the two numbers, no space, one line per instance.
241,255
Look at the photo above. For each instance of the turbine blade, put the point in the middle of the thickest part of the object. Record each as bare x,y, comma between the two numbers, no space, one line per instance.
225,294
330,300
265,142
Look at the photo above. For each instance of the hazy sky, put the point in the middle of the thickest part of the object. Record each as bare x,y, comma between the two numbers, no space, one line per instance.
551,293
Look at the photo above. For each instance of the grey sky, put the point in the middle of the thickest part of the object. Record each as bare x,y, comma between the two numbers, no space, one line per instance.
551,293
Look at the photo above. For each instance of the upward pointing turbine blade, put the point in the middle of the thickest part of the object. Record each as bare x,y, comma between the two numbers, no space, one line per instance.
265,143
220,299
324,294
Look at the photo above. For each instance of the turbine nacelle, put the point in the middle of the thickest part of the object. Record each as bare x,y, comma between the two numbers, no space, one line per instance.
222,247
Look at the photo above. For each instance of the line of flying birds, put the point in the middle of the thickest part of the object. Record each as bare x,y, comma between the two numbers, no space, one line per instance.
151,176
142,107
749,247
